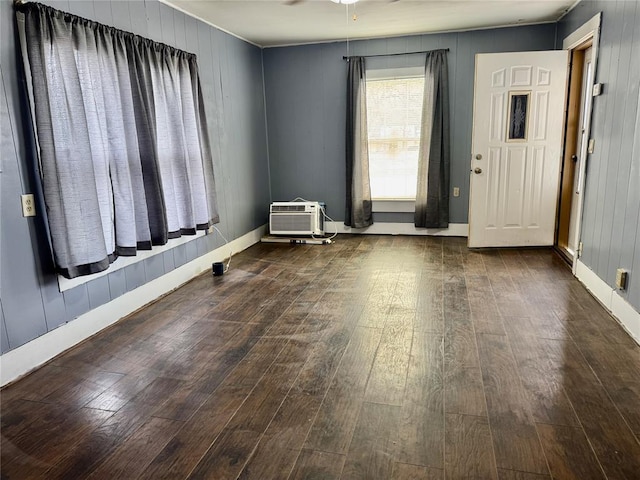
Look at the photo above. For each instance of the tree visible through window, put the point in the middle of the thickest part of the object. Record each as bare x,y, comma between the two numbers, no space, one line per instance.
394,114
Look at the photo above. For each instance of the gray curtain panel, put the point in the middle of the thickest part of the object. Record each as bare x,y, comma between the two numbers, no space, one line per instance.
432,197
358,205
125,159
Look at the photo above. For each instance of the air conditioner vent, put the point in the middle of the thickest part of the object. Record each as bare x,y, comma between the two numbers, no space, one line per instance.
291,223
288,208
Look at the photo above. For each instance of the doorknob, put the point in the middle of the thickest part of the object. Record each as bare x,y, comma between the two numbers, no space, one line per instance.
479,156
574,158
477,170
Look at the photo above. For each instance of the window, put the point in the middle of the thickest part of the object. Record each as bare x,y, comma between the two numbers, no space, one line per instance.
122,138
394,114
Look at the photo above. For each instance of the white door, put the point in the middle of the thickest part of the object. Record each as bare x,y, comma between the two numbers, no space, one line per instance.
518,117
581,149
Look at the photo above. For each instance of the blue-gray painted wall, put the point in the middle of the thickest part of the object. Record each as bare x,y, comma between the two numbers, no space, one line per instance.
305,94
611,218
306,102
232,83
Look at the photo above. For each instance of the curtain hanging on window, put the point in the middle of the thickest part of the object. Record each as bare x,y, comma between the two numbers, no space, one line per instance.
124,153
358,205
432,197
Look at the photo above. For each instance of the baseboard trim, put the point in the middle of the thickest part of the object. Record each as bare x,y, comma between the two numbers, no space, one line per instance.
624,312
22,360
454,230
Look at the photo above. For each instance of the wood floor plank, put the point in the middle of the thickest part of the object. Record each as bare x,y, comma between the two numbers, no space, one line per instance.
278,448
542,380
317,465
484,309
404,471
121,392
421,428
514,475
388,376
182,453
626,398
336,420
468,449
323,360
228,455
371,453
80,458
429,307
134,454
515,439
508,299
569,454
44,444
463,381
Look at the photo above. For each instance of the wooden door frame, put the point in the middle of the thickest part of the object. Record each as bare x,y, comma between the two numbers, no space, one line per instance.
589,33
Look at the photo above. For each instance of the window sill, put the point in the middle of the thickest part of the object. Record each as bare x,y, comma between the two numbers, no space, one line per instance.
65,284
389,205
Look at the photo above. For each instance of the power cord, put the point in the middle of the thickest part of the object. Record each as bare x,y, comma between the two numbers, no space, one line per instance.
226,243
324,214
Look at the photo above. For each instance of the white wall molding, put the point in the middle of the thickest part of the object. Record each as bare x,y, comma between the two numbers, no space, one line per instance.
22,360
380,228
624,312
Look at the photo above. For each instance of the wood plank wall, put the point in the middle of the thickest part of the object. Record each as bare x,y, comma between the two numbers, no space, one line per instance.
231,77
306,101
611,217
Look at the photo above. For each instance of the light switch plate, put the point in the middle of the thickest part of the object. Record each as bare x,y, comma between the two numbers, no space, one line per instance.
597,89
592,145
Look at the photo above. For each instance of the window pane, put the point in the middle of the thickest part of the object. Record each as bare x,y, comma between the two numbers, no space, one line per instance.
394,111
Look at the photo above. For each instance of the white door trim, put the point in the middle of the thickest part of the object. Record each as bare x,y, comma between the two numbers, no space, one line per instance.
589,31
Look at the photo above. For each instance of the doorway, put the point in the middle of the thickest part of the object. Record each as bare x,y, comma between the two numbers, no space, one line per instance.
518,115
576,148
583,50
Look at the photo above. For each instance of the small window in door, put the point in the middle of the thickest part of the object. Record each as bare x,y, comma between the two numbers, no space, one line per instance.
518,116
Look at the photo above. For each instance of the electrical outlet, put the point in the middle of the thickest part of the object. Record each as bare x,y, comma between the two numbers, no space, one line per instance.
28,205
621,278
456,191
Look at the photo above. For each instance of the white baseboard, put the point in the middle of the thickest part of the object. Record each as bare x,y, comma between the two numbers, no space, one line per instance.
22,360
624,312
627,315
380,228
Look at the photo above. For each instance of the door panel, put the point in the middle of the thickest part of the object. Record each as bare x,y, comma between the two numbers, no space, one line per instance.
517,145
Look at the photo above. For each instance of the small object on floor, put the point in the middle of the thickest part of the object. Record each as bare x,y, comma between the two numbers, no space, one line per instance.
218,269
296,240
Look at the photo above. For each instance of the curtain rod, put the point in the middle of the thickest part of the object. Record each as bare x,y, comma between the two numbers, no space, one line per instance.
394,54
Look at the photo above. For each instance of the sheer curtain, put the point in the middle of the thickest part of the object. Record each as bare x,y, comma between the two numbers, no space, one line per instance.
124,155
358,205
432,197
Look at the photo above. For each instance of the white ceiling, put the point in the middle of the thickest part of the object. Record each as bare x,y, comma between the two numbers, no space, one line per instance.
289,22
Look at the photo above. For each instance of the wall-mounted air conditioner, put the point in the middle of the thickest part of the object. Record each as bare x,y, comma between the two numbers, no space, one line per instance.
296,218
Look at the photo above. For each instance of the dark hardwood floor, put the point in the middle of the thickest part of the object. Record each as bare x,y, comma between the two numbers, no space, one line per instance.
376,357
